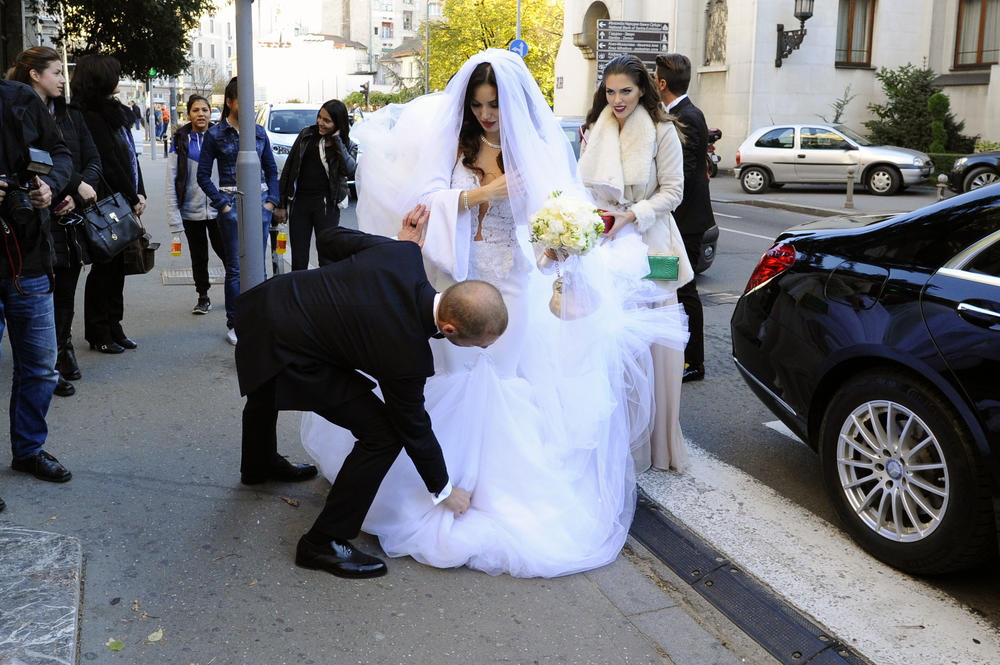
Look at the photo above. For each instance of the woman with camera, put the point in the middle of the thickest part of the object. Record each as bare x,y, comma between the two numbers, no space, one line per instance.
41,68
94,86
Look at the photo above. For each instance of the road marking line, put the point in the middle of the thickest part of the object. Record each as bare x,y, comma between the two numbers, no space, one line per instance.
782,428
818,569
744,233
722,214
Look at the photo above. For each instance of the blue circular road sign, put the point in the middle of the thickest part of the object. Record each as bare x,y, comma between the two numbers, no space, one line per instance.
520,47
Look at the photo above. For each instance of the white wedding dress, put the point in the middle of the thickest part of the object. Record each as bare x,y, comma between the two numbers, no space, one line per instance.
538,427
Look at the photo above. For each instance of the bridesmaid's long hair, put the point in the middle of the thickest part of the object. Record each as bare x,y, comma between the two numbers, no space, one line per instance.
632,67
468,136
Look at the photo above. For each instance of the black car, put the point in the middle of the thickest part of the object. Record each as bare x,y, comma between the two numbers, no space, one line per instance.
877,341
975,171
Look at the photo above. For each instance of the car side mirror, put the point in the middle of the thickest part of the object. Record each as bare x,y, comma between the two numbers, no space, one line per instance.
847,145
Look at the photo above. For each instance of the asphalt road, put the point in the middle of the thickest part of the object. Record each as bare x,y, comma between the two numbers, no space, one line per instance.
722,416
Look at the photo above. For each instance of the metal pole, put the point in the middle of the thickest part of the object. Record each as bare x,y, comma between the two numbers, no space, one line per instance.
849,199
248,207
518,19
150,120
427,49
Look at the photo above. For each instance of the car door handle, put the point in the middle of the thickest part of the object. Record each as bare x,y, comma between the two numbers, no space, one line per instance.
979,316
801,156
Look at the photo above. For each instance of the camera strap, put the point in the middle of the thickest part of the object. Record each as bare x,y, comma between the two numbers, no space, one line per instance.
8,237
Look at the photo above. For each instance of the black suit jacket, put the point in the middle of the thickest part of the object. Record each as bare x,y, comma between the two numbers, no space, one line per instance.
694,214
372,310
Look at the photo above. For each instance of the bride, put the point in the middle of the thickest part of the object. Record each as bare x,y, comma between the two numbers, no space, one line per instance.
540,426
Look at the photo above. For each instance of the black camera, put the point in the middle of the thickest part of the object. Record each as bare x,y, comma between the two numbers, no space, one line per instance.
16,205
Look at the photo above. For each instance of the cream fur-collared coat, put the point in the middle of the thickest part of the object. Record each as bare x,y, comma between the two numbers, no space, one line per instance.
640,168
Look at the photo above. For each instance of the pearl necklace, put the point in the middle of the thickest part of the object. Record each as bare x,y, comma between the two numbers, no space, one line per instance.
495,146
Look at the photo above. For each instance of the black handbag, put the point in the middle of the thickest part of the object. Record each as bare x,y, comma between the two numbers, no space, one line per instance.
110,227
140,256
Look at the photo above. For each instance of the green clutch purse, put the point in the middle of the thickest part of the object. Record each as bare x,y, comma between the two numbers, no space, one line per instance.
663,267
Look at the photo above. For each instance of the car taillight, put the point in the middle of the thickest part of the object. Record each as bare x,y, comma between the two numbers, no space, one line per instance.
779,258
737,158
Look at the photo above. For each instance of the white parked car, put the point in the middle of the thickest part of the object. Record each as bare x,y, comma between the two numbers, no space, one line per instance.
283,122
821,153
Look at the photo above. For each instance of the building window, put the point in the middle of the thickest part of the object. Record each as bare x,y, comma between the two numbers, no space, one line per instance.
211,25
387,5
978,40
854,32
229,30
212,51
407,20
387,31
199,50
229,51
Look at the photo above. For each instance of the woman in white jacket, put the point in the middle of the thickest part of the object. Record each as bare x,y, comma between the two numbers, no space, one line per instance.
631,161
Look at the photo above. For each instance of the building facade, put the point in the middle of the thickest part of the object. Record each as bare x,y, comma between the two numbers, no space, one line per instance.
736,81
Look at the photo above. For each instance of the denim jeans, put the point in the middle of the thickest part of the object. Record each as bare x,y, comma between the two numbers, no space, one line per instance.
229,228
31,322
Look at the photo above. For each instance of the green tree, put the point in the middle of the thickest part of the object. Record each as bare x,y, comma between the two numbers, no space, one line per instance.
469,26
143,34
904,119
938,107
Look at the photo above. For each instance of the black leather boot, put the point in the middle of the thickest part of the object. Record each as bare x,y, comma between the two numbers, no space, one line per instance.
66,362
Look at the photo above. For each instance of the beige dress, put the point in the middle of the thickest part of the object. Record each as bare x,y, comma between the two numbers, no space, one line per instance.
641,168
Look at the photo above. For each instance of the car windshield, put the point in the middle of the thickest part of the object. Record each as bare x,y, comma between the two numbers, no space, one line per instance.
853,135
291,121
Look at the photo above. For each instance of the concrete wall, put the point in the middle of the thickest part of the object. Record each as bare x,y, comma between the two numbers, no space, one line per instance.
747,91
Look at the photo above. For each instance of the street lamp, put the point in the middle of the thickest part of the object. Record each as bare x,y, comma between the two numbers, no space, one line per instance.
789,40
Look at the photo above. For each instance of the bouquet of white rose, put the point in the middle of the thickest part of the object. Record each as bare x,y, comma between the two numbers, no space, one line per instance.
568,226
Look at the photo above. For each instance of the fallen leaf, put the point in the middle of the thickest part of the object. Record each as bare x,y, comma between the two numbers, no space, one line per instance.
135,605
114,644
144,616
116,600
54,517
294,503
156,635
253,581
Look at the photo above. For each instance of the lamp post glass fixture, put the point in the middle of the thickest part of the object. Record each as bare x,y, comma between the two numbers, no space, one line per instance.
789,40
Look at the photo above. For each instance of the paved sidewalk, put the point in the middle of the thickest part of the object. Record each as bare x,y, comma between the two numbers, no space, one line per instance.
183,565
823,200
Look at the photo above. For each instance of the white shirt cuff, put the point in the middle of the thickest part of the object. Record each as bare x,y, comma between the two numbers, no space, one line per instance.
443,494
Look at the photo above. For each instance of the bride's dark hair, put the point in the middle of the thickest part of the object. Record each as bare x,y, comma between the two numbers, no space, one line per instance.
468,136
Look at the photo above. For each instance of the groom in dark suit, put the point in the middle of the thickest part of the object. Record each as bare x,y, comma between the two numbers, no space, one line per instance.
694,214
304,339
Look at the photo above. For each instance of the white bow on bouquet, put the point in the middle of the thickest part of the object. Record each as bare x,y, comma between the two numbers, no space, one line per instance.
568,226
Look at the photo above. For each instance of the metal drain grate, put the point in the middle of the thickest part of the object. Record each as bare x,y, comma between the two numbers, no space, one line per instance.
185,276
782,630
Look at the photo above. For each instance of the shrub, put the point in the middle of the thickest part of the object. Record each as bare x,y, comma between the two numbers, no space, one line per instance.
943,161
938,107
986,146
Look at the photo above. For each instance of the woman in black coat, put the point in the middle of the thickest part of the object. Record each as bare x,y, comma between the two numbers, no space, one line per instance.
314,180
41,68
94,85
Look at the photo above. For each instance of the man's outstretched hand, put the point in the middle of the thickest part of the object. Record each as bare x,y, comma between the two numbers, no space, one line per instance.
415,228
458,501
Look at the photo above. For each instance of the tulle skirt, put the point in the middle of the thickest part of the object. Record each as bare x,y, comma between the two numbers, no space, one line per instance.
539,428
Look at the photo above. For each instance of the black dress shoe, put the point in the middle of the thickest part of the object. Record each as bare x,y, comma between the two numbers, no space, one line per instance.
126,343
110,347
281,469
693,373
43,466
338,557
64,388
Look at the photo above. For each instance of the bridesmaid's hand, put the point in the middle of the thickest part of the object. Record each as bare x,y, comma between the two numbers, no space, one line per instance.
621,220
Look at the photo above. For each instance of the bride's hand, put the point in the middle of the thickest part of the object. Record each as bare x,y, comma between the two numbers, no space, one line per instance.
621,220
496,189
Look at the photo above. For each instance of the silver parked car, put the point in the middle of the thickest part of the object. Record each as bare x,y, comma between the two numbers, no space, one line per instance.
821,153
283,122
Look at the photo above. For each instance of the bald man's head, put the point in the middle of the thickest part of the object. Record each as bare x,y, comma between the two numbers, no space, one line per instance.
472,313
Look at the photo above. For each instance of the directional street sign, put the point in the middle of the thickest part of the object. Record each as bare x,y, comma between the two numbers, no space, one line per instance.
520,47
643,39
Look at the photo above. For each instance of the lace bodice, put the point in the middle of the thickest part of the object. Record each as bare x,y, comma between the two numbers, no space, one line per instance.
492,258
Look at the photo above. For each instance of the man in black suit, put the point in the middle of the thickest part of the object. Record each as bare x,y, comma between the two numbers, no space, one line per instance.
304,339
694,214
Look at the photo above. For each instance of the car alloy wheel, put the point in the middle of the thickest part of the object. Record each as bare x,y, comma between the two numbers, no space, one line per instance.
883,181
980,177
754,180
900,468
892,471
